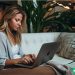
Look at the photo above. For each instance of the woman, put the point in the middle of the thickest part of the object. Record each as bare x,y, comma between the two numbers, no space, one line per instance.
10,42
10,37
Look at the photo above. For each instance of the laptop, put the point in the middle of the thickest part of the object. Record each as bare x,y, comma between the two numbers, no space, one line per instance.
45,54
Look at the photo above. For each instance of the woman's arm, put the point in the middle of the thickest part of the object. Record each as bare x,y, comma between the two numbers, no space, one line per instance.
13,61
26,59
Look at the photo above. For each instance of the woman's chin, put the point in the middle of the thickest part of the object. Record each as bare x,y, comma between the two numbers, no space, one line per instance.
16,29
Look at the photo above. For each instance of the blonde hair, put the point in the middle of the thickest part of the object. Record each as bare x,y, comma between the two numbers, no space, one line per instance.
9,13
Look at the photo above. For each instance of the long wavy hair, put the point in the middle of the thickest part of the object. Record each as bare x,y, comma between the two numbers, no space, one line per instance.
9,13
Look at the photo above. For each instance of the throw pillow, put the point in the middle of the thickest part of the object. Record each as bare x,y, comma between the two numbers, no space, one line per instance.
67,45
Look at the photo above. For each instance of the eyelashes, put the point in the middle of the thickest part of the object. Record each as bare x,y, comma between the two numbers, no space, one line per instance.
18,20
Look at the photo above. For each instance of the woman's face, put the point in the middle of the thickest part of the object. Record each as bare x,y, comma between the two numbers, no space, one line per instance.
15,22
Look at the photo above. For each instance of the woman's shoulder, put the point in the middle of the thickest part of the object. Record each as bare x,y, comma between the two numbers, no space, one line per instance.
2,34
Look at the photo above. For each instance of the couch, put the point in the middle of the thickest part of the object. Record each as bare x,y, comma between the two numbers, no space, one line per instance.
32,42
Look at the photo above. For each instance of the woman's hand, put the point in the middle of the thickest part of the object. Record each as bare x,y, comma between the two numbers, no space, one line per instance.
26,59
30,58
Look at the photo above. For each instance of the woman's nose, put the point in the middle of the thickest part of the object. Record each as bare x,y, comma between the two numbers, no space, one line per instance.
19,24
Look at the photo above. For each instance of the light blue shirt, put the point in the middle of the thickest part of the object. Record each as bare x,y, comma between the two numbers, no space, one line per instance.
5,49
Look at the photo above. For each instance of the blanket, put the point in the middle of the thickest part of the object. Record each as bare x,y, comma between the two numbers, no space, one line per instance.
59,69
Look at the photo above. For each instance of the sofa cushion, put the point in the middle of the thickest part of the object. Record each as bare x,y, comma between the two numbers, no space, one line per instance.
67,45
32,42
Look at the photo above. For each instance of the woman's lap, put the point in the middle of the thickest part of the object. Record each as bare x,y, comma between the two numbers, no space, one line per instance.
41,70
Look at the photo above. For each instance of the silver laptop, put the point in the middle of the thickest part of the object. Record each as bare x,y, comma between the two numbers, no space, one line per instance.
45,54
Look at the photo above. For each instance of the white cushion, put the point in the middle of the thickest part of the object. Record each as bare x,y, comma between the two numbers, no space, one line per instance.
32,42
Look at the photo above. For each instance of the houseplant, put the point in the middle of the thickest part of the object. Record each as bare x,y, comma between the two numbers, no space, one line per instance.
37,16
